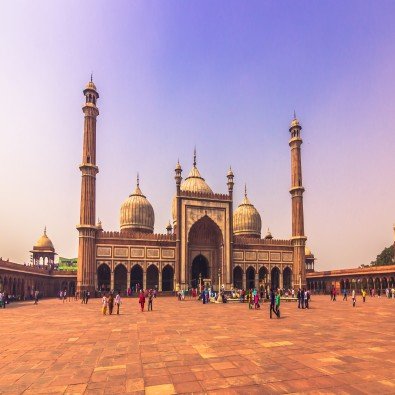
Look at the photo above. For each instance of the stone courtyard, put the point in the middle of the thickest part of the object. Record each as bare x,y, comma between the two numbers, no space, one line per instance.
188,347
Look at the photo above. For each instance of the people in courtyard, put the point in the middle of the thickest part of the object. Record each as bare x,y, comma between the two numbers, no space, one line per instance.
353,298
345,294
278,298
104,303
363,296
87,297
306,298
36,296
64,295
272,303
150,299
110,303
256,300
118,301
299,296
142,300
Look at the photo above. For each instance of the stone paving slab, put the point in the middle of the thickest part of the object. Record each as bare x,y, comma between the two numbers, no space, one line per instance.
188,347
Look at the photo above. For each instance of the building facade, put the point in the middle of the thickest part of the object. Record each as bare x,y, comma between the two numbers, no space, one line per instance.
207,241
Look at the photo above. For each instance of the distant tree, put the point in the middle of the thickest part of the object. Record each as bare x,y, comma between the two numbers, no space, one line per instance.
386,257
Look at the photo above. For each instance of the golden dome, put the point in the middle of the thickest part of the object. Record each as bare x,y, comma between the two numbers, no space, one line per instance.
137,213
246,219
44,242
307,251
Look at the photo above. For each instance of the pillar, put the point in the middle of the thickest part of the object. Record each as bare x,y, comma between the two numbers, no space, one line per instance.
87,230
244,280
112,281
281,279
160,281
128,278
144,279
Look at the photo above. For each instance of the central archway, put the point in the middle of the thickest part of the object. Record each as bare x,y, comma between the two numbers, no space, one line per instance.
204,235
199,268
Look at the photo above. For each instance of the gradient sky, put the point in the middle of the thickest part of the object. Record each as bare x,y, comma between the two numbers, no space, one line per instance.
225,76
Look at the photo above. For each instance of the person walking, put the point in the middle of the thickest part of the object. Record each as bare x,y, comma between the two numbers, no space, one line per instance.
306,298
353,298
64,295
83,297
363,296
150,298
118,301
36,296
110,303
104,302
278,304
87,295
345,294
272,303
299,296
142,300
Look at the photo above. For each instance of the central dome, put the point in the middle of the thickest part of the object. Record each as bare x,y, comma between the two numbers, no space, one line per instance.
195,182
246,219
137,213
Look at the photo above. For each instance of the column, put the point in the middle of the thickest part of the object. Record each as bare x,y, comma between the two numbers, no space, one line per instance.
112,280
144,279
281,279
244,280
128,278
160,280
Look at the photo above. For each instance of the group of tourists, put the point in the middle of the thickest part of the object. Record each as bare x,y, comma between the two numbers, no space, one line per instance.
108,302
3,299
303,296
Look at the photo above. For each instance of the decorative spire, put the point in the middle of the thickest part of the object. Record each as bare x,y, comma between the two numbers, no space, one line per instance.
92,76
45,230
138,180
194,157
294,114
245,190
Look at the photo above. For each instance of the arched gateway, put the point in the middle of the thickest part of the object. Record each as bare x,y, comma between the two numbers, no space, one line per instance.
205,251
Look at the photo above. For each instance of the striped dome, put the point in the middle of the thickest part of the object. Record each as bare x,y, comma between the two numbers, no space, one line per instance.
137,213
246,219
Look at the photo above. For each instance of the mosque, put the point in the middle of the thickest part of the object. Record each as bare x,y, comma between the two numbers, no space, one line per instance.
208,241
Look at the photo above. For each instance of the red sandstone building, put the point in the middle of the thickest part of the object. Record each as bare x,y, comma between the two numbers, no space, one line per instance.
208,240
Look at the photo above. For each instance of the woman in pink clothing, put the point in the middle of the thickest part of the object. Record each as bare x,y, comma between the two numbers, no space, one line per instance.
142,300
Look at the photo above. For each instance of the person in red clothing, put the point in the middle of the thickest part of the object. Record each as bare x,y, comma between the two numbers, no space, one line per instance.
142,300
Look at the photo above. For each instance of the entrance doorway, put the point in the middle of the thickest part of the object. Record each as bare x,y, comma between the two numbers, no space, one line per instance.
199,268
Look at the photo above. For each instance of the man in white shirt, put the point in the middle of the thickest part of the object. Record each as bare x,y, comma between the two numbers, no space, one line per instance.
118,301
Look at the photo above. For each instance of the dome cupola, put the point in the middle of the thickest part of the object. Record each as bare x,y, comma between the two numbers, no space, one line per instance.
195,182
44,243
246,219
137,213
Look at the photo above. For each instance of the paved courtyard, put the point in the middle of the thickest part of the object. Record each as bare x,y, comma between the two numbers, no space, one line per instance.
187,347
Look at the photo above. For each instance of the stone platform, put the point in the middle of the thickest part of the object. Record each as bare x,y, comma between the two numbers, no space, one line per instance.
188,347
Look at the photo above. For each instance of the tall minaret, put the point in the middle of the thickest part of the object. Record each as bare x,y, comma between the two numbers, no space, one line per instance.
86,228
296,191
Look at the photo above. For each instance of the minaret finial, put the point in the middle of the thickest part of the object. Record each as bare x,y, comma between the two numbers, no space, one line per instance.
138,180
92,76
245,189
194,157
294,114
45,230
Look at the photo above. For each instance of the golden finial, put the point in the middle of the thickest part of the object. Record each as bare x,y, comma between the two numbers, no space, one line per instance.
45,230
245,189
138,180
194,157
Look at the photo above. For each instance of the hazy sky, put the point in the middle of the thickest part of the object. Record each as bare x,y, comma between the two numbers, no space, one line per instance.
225,76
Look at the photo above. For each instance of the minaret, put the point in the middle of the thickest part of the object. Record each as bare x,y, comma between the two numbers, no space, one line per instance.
296,191
87,230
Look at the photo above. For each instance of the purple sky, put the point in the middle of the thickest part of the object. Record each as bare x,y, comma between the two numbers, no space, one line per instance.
224,75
